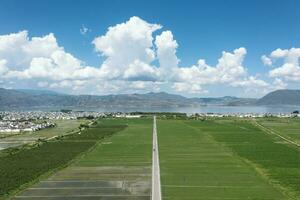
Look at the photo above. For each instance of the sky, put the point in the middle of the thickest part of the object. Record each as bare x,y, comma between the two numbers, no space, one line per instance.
193,48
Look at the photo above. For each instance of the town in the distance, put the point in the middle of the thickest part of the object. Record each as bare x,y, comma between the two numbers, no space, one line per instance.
16,122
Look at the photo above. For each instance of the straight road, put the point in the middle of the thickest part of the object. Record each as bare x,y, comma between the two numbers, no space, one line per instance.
156,188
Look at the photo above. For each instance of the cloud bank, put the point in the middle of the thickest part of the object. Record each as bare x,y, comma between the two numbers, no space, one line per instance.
138,56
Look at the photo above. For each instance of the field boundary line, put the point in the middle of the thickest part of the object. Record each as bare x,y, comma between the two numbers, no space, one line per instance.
270,131
209,186
156,187
74,196
70,188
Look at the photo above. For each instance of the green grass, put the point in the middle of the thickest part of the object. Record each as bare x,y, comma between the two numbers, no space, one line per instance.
27,164
131,147
119,165
194,165
287,127
276,160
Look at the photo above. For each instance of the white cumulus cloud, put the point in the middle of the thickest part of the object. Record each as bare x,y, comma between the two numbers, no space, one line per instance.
136,58
266,60
3,68
125,45
166,52
40,57
290,69
228,69
191,88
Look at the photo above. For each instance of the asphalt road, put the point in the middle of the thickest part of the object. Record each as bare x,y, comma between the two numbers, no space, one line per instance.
156,188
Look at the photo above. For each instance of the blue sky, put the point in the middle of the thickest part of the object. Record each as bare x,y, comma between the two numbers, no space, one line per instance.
202,29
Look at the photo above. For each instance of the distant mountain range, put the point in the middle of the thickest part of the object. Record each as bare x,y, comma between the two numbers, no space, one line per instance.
280,97
10,98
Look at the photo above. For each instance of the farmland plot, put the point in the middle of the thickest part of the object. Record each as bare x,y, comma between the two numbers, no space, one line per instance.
117,168
196,166
272,157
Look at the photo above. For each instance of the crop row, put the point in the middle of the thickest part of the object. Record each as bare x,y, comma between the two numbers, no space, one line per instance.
27,164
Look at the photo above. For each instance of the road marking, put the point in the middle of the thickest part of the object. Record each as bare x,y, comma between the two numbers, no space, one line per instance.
156,188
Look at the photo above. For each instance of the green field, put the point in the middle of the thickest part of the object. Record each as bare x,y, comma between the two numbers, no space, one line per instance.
287,127
117,168
21,166
194,165
226,158
130,148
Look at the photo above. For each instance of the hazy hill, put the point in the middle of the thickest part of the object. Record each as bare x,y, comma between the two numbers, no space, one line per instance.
35,98
43,98
281,97
37,92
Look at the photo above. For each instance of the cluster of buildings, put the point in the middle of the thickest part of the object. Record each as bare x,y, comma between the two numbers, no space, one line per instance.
126,115
246,115
23,126
16,122
39,115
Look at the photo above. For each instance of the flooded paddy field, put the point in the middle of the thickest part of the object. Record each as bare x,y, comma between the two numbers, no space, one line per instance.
93,182
118,168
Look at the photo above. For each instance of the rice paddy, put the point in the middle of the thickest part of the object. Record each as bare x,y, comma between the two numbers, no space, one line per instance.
287,127
211,159
196,166
22,166
117,168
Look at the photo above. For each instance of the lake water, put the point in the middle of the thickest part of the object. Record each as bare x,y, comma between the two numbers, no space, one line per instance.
200,109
